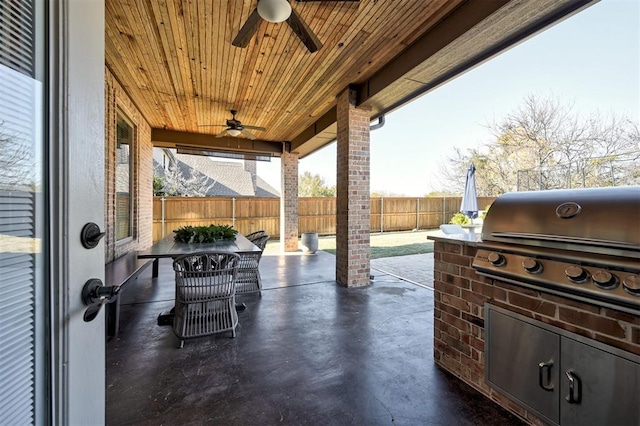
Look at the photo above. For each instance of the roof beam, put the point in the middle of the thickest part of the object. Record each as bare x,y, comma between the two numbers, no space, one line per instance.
163,138
321,124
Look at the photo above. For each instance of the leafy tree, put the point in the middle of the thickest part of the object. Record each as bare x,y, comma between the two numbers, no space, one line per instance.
543,145
314,186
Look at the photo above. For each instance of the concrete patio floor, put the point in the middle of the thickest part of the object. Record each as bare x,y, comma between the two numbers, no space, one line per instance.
308,352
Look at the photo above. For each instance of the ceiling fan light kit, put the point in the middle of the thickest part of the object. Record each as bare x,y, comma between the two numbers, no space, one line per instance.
234,132
274,10
279,11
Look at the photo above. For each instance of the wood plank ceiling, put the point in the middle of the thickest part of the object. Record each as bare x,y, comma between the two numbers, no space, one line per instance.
176,61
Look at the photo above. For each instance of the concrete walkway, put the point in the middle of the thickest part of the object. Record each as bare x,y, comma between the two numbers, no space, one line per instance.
416,268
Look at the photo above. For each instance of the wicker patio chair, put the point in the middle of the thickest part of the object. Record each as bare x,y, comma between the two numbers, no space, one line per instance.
248,280
254,235
205,294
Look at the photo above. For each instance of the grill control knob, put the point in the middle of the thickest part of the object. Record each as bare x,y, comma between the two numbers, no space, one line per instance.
576,274
604,279
631,283
532,266
496,259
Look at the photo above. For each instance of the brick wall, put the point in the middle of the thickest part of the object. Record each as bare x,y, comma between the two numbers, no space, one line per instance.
353,209
142,176
289,202
460,295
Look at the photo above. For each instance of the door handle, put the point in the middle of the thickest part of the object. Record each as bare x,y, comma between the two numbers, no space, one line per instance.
90,235
575,393
545,380
94,295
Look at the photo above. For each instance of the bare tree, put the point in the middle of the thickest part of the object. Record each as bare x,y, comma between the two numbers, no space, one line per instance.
16,158
179,184
544,144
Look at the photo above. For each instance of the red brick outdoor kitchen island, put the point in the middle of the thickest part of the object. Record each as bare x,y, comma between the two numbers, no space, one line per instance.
462,297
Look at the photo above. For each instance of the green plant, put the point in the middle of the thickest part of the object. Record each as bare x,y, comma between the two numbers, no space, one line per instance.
158,185
484,213
459,219
204,234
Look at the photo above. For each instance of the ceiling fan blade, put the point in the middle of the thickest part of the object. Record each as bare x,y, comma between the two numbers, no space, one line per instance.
211,125
248,134
248,30
262,129
306,36
222,133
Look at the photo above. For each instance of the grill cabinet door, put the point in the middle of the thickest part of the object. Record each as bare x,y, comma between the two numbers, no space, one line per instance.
607,386
514,351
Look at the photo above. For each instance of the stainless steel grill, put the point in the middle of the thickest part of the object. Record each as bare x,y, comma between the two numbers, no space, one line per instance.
582,243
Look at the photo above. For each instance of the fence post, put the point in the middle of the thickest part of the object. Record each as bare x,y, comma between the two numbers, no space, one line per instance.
233,212
444,210
162,221
417,214
381,214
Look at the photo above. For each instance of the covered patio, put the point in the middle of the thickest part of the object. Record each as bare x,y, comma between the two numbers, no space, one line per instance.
307,352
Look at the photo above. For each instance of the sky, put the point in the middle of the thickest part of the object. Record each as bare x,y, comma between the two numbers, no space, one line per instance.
590,60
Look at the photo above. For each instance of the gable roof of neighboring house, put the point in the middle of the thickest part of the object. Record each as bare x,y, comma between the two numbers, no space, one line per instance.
226,179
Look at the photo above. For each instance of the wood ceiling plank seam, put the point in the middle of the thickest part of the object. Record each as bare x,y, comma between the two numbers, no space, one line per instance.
264,42
234,58
247,73
316,62
261,72
344,76
283,73
164,27
204,50
191,24
321,107
180,53
219,20
272,65
351,43
148,36
133,90
363,14
211,65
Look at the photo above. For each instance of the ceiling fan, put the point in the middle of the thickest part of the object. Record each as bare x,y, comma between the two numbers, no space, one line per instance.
234,127
279,11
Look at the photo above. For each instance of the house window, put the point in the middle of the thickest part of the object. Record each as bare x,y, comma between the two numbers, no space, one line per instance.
124,182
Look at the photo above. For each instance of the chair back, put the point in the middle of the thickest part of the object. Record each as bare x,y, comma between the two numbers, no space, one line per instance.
261,242
257,234
205,276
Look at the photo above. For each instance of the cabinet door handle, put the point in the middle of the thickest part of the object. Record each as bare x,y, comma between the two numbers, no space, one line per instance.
544,380
575,393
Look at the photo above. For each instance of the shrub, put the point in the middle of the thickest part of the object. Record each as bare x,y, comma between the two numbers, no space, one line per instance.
204,234
459,219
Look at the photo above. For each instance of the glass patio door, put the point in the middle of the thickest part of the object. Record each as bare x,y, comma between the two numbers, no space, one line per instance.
22,219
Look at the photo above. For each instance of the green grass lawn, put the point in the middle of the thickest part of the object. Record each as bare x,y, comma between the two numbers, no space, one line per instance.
386,244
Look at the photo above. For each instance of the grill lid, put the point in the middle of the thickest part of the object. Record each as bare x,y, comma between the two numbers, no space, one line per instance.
576,219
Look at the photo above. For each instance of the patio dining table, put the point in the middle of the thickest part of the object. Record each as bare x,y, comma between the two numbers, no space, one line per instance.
169,248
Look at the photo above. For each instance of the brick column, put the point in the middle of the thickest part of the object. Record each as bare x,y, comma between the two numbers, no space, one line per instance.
353,253
289,202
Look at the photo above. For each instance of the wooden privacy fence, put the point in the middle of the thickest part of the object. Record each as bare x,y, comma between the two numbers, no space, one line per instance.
315,214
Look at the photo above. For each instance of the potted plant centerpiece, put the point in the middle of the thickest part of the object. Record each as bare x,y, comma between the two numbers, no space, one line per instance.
204,234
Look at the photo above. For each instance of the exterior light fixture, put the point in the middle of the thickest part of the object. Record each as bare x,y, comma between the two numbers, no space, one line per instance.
234,132
274,10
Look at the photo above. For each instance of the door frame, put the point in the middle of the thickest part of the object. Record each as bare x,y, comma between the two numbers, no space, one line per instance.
76,196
